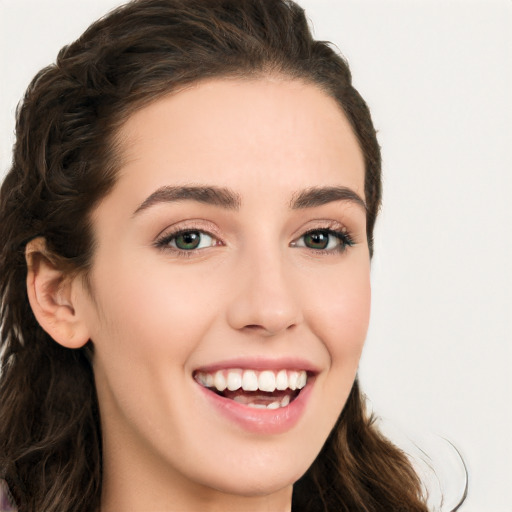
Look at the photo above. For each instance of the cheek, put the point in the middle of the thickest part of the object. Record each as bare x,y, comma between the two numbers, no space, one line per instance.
340,319
145,327
342,314
155,308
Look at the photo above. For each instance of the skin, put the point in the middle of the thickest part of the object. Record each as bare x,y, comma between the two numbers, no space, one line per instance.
256,290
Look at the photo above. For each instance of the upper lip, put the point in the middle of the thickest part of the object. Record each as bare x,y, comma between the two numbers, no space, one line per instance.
261,363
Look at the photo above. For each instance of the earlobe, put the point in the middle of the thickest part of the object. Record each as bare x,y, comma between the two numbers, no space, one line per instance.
51,296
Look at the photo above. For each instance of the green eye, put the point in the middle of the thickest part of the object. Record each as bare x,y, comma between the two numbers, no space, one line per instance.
324,240
317,240
188,240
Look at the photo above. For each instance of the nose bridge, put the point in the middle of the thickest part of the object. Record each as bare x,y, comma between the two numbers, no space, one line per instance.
265,300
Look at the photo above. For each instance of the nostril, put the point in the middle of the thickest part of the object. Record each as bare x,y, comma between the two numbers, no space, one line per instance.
265,331
257,330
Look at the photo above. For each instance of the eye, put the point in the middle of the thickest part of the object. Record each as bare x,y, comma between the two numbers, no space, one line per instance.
188,240
324,240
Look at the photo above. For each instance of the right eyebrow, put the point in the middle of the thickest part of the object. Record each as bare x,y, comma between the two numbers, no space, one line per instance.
216,196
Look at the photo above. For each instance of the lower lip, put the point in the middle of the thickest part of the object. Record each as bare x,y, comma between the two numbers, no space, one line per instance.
261,421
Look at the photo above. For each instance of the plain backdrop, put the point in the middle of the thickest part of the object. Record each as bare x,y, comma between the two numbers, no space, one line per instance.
438,78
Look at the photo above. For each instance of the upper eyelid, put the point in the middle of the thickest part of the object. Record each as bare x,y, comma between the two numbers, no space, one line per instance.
343,235
201,225
163,242
166,237
209,228
335,226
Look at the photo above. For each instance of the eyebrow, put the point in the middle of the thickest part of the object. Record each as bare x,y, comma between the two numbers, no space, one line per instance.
318,196
227,199
216,196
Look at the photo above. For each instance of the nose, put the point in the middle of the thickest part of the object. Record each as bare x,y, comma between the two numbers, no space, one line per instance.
265,301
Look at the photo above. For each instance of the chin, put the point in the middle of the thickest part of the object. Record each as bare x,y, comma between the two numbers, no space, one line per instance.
255,480
258,485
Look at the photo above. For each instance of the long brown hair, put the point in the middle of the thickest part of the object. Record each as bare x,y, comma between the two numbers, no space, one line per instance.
65,161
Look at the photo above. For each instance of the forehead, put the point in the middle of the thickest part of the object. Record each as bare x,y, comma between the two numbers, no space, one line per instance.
242,134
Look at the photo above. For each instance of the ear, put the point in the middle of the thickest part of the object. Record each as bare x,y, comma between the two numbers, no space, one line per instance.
51,293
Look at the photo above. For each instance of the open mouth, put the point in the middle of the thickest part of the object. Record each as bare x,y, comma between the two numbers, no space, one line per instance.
266,389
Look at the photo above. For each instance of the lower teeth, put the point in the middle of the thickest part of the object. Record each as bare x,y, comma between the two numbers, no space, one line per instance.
273,405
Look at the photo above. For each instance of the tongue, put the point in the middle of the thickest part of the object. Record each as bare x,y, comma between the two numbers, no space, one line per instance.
258,397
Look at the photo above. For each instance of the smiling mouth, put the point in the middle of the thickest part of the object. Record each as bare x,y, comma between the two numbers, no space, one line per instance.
266,389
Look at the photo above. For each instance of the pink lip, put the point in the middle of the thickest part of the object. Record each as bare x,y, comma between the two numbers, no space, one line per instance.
260,421
288,363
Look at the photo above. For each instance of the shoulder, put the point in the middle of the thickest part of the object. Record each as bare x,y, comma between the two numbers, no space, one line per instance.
6,501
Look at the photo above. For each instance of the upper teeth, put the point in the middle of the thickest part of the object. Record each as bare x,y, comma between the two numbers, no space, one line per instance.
253,380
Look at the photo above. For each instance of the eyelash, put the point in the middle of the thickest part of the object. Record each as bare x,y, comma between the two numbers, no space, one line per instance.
165,241
344,238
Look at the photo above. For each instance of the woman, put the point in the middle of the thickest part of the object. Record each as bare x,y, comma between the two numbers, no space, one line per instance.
186,236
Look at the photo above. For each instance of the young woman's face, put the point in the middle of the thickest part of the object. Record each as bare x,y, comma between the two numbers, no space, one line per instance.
231,252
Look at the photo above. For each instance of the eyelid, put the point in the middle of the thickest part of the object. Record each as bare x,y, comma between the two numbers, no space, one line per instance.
331,225
323,223
199,224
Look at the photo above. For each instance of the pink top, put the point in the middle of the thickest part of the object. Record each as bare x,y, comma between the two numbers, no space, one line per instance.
6,501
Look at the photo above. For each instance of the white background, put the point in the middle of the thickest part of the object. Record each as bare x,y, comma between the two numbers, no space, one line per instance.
438,78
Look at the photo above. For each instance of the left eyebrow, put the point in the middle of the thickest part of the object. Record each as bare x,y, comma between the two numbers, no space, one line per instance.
318,196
